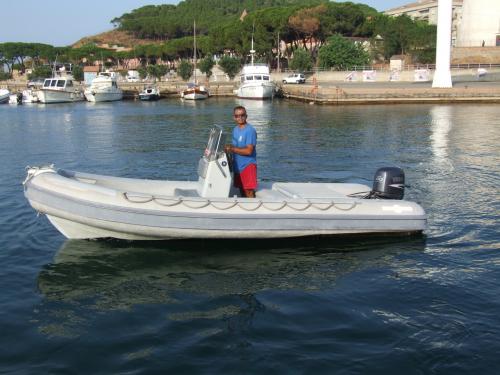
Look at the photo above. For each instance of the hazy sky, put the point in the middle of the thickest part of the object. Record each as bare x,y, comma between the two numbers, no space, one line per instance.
60,23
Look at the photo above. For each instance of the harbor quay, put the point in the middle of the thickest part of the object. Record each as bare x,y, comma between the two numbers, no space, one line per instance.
343,87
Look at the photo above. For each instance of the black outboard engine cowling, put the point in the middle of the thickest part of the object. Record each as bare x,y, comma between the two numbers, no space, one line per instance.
388,183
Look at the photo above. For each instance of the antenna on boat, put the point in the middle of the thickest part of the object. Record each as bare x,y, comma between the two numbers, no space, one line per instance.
54,67
252,51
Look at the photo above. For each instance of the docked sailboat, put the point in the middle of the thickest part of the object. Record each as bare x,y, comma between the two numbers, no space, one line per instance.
194,91
104,88
255,80
82,205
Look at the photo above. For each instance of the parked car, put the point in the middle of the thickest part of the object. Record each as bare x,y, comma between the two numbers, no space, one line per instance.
295,78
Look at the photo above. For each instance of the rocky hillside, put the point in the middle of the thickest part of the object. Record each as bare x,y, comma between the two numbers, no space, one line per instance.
113,37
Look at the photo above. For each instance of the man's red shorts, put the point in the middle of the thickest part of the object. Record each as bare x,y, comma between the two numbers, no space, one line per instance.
247,179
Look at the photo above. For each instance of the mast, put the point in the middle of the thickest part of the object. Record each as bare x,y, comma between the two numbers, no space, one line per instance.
279,45
252,51
194,55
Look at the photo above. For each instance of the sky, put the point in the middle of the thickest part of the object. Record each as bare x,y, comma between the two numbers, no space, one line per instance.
61,23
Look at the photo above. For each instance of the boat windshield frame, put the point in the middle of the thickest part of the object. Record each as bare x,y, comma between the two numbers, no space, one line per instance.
215,144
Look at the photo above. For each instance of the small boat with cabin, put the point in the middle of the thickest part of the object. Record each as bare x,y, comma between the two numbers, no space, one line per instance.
149,93
59,90
255,81
83,205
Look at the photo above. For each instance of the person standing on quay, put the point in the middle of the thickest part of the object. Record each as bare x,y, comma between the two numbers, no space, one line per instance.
245,154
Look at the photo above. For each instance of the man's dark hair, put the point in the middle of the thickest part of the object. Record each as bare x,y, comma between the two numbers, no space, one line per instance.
239,107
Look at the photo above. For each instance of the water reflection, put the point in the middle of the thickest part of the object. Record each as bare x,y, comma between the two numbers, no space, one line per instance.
122,274
259,111
441,125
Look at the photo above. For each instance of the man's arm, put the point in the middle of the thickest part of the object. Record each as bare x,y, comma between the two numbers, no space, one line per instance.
245,151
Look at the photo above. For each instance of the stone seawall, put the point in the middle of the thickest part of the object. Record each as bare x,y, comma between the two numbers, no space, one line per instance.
384,95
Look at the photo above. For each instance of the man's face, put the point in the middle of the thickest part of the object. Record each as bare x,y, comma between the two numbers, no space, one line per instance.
240,117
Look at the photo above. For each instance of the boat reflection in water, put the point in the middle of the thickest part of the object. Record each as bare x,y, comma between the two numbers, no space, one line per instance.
115,275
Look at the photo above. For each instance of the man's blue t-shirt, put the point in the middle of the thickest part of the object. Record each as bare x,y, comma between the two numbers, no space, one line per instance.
242,138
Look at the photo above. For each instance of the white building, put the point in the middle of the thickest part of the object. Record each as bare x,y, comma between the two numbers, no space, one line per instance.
426,10
480,25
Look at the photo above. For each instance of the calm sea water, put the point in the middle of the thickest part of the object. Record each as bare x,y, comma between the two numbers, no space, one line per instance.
419,305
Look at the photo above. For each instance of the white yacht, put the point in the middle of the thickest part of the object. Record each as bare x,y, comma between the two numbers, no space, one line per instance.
59,90
255,81
104,88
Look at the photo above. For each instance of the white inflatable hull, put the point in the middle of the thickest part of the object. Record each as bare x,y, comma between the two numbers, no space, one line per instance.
84,206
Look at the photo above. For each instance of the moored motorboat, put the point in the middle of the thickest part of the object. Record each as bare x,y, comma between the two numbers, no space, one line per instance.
255,81
83,205
149,93
104,88
16,98
4,96
30,96
59,90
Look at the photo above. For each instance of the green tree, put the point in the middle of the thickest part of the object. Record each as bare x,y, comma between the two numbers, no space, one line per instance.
301,60
342,54
230,65
4,76
206,66
42,71
402,35
157,71
161,70
143,73
78,73
185,69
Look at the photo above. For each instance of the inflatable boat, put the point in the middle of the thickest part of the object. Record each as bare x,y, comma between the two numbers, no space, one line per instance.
84,206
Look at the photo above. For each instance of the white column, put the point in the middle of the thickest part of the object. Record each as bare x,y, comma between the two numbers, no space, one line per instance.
442,75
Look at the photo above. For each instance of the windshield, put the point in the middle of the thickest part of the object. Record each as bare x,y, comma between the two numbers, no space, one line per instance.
215,143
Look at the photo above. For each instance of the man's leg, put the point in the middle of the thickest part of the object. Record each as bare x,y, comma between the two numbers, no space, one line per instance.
248,193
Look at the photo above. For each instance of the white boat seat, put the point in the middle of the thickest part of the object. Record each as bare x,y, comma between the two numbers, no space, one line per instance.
319,191
186,193
270,194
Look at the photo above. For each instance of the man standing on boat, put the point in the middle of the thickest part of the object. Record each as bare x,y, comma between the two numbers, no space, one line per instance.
245,156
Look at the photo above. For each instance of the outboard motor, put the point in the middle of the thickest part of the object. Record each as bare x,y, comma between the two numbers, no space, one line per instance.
388,183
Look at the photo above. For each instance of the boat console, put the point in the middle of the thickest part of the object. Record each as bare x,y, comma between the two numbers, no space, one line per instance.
214,175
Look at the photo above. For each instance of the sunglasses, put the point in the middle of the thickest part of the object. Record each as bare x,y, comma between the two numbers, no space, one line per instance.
240,116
